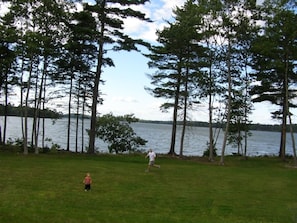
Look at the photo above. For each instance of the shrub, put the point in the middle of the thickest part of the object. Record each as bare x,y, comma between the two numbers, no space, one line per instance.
117,132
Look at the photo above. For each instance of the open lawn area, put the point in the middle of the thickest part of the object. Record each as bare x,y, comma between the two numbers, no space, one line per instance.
48,188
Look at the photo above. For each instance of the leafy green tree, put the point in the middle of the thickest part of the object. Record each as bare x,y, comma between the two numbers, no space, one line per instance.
241,104
274,61
118,133
232,26
238,129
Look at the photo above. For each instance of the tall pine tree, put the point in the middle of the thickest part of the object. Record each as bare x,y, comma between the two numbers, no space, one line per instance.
110,15
274,61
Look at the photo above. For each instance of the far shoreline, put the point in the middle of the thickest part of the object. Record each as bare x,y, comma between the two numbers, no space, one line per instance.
252,126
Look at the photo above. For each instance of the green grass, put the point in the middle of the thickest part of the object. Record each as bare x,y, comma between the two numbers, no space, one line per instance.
48,188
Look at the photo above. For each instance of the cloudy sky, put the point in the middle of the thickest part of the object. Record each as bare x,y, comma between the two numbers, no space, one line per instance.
125,83
124,89
124,92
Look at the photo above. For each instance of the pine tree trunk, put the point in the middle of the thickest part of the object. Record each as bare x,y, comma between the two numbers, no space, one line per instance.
69,112
25,139
92,132
184,115
211,140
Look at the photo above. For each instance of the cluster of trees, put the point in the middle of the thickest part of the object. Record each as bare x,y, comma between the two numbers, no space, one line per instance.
227,53
54,49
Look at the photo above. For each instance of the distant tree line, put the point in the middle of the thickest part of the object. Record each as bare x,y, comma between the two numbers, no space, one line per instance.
256,127
18,111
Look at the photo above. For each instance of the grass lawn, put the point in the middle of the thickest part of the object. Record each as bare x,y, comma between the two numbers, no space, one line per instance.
48,188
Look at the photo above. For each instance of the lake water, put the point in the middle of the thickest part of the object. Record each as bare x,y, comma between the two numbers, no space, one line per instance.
157,135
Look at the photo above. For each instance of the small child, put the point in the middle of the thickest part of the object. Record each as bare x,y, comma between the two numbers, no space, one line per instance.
87,181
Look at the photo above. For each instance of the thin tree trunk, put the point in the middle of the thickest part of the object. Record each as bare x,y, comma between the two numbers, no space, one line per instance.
289,114
69,112
83,122
174,123
43,108
245,144
173,132
37,110
41,100
37,131
184,115
34,123
293,140
228,105
4,126
239,144
211,141
183,130
25,140
77,120
282,150
92,131
210,107
21,102
246,113
5,109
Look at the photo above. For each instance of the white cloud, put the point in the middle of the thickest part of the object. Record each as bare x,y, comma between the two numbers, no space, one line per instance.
173,3
134,26
168,6
4,8
158,11
124,99
149,34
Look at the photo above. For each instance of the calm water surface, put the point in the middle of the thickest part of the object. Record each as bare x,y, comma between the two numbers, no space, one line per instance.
157,135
